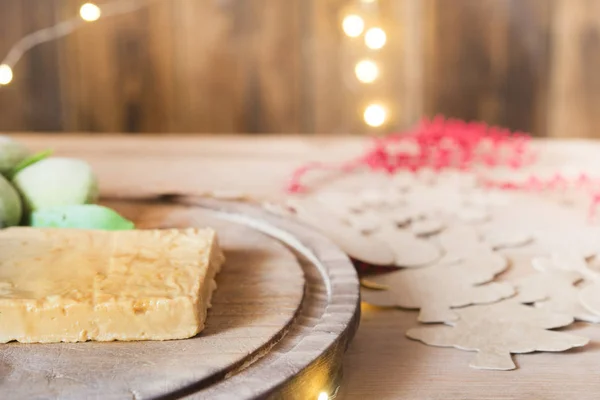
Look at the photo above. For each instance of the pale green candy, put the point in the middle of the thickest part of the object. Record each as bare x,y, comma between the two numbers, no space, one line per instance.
11,153
87,216
10,205
56,182
26,162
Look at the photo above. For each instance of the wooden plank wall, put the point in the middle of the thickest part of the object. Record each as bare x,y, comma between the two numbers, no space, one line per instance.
285,66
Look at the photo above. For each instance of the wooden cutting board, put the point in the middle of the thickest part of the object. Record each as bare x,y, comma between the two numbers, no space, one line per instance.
286,307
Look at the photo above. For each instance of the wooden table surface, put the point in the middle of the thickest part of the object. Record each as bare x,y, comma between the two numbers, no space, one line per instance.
381,362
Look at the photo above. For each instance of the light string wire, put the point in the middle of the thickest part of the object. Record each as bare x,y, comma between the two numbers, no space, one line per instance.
354,26
63,28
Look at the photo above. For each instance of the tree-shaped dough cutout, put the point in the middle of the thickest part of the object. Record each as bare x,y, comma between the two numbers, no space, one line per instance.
555,291
590,298
495,331
435,290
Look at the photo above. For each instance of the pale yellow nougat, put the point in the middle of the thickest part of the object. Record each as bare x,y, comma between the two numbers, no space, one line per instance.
71,285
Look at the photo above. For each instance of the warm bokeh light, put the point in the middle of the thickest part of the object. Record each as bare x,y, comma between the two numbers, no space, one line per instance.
375,38
366,71
90,12
6,74
353,25
375,115
323,396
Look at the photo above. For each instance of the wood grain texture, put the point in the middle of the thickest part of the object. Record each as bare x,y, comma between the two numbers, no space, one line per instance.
258,165
381,363
279,311
259,292
308,360
224,66
394,366
44,109
575,85
12,98
489,60
122,165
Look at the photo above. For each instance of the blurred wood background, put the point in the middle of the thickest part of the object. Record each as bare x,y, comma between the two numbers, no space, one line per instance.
285,66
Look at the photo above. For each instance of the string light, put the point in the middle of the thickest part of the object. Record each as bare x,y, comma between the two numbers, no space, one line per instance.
375,38
323,396
90,12
375,115
353,25
366,71
87,13
6,74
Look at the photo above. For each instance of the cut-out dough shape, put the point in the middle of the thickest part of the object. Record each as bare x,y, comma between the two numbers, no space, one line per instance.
432,200
389,199
435,290
357,246
485,198
473,215
348,202
590,298
409,250
583,242
594,262
555,291
339,203
498,330
427,227
403,215
403,181
395,199
364,222
427,176
507,239
565,261
372,198
463,243
368,200
460,239
384,243
457,179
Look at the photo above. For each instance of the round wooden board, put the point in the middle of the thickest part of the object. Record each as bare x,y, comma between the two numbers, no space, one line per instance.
286,306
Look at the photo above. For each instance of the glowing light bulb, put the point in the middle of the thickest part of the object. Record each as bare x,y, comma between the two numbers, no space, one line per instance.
375,115
90,12
6,74
366,71
375,38
353,25
323,396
